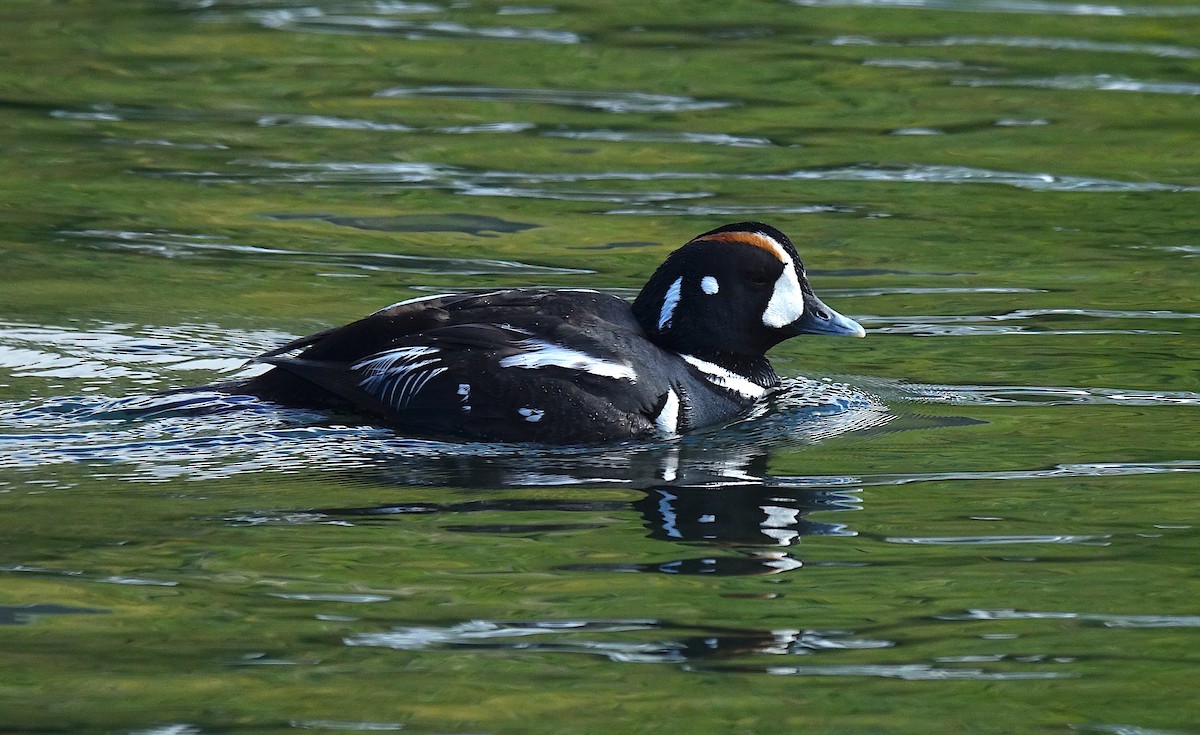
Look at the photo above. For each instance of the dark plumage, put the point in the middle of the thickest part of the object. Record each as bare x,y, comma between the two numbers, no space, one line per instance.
570,365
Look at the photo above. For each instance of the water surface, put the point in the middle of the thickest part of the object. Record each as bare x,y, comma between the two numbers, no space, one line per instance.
981,518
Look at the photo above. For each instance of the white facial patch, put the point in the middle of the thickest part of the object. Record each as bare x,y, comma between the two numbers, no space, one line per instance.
709,285
539,354
670,301
787,299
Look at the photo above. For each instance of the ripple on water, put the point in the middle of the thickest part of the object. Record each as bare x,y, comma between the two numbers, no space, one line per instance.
87,576
731,210
176,245
934,174
1038,395
1032,7
1113,729
119,113
918,64
315,19
347,725
1107,620
334,123
923,290
992,540
357,599
566,185
616,102
1187,251
391,7
104,352
1090,470
24,614
666,136
472,224
1094,82
695,648
955,325
1047,43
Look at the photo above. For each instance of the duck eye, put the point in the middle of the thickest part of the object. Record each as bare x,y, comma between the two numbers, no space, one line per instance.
760,278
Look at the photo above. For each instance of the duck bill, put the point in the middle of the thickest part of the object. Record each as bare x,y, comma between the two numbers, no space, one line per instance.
820,319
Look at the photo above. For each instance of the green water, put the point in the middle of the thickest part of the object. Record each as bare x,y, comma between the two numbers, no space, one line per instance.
982,518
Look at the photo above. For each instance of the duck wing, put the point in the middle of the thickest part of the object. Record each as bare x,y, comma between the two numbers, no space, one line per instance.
517,365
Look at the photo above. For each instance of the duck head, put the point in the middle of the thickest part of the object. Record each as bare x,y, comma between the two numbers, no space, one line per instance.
740,290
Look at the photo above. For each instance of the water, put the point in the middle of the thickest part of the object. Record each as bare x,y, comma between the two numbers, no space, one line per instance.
981,518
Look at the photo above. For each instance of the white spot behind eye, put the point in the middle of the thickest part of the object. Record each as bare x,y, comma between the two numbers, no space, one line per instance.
670,301
787,300
709,285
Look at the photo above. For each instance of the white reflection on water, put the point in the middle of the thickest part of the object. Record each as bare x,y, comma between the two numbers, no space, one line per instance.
176,245
616,102
1107,620
470,181
1097,82
940,325
1051,44
665,136
697,648
119,113
1088,540
1033,395
1032,7
412,30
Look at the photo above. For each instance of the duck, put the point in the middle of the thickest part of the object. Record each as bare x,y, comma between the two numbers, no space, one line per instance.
569,365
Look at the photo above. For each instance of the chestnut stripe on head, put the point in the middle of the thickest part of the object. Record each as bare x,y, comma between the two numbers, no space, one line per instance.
753,239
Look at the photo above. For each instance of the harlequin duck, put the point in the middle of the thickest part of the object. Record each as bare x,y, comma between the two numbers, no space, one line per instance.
570,366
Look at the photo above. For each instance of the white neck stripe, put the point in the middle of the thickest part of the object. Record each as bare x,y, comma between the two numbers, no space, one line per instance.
726,379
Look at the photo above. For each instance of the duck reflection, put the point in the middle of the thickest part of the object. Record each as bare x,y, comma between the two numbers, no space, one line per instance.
719,499
749,526
623,641
710,492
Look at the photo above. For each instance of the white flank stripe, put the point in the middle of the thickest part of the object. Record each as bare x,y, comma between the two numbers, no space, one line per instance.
667,419
670,301
726,379
540,354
